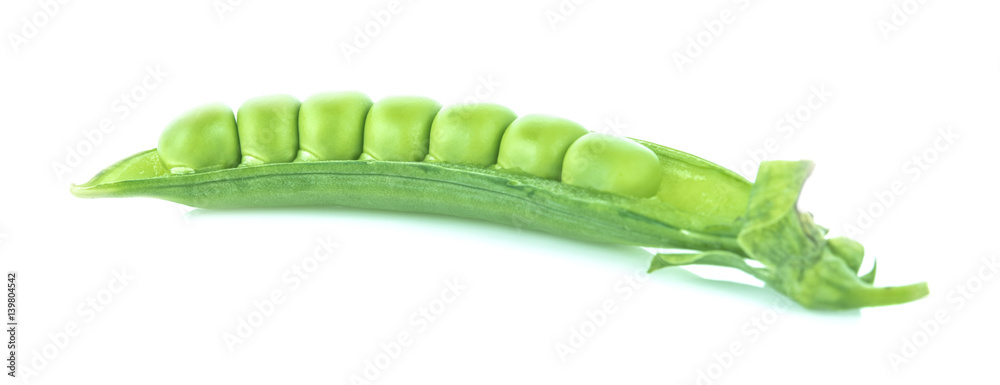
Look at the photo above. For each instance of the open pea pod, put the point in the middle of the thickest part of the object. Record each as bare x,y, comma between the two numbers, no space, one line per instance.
482,161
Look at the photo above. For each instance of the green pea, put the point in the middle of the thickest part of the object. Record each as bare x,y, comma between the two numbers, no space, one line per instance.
202,139
332,126
398,128
469,133
268,127
536,144
612,164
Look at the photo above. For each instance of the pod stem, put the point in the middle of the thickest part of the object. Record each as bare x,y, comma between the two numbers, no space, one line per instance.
799,261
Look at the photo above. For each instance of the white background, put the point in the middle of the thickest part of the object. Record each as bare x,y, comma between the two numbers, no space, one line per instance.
894,82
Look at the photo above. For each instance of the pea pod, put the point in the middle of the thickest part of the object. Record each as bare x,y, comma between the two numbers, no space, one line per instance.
481,161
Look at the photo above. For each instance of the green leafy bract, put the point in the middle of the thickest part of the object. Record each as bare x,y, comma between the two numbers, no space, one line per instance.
799,261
